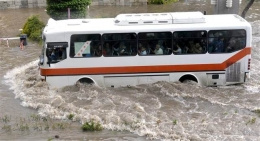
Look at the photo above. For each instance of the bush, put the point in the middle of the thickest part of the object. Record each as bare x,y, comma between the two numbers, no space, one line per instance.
160,1
33,28
91,126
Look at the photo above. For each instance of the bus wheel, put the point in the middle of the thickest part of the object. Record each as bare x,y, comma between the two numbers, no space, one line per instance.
187,78
85,81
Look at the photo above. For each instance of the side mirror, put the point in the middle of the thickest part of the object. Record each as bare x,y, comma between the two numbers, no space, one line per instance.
41,60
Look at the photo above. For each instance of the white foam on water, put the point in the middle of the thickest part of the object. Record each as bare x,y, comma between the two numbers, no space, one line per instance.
158,111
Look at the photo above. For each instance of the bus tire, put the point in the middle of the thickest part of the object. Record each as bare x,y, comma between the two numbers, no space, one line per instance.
85,81
188,77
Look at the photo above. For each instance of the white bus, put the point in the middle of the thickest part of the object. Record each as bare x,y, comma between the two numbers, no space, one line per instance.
133,49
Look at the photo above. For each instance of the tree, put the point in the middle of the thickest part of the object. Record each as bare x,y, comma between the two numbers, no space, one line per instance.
58,9
250,3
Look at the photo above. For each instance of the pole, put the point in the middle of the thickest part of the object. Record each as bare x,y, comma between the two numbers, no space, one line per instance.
225,6
68,13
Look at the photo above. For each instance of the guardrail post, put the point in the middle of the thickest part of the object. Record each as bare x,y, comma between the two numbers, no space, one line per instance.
7,42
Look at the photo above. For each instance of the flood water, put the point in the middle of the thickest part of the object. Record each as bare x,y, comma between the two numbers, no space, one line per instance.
29,110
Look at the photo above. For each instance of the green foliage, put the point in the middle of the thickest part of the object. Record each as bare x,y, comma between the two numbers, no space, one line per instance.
6,119
33,28
160,1
257,111
70,116
251,121
58,9
7,128
91,126
174,122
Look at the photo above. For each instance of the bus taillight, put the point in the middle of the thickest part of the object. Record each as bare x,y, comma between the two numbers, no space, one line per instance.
249,61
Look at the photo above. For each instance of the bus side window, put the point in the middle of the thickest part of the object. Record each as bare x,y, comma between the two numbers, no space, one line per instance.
190,42
85,45
155,43
237,41
225,41
119,44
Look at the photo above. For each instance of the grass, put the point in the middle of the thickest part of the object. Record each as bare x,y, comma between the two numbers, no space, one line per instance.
37,123
91,126
174,122
251,121
257,111
7,128
35,117
32,123
6,119
23,127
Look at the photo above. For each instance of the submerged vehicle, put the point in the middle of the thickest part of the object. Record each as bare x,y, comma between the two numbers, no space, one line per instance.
141,48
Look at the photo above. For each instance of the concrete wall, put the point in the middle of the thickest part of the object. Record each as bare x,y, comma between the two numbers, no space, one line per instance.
12,4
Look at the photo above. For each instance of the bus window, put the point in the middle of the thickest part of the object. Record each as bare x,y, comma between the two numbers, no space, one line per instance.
155,43
189,42
225,41
85,45
119,44
56,52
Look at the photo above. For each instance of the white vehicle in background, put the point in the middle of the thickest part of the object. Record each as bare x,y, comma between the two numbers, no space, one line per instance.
133,49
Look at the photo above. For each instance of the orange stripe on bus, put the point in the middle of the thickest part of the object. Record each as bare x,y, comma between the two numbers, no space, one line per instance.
147,69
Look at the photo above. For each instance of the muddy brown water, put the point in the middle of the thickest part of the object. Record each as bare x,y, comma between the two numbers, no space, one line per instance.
159,111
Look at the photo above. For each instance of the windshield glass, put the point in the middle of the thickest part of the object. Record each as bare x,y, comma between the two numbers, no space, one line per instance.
56,52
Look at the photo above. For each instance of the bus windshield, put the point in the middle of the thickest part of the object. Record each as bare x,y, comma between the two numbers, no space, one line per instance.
56,52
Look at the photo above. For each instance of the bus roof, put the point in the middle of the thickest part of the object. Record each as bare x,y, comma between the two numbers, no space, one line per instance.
145,22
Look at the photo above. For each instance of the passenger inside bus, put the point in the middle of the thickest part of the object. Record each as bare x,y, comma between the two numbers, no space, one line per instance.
177,49
107,50
219,45
115,49
197,48
62,53
143,51
122,49
53,55
164,46
232,45
97,50
158,50
191,46
184,47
